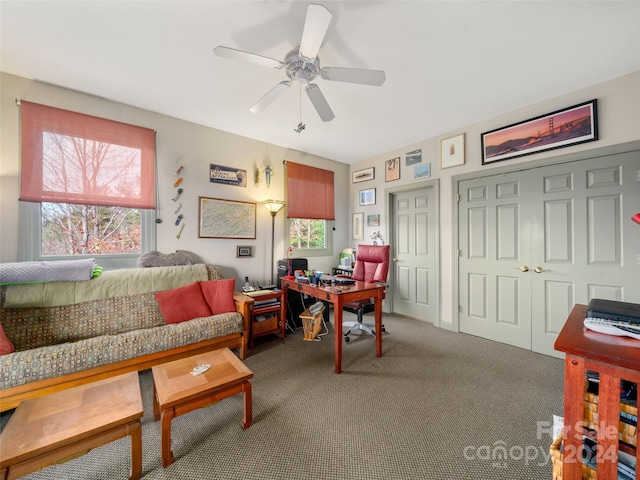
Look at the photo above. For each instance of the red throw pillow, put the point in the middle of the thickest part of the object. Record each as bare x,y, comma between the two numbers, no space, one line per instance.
219,295
182,303
5,344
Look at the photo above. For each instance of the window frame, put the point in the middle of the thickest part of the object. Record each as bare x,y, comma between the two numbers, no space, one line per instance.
30,235
313,252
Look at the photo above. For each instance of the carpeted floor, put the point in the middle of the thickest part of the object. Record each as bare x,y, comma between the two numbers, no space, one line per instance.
436,405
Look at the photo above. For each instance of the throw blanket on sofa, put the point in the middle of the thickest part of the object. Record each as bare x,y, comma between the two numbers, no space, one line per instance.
58,271
113,283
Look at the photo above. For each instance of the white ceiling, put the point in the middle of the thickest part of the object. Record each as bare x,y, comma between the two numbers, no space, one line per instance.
448,64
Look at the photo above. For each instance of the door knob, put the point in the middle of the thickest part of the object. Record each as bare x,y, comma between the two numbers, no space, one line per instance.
538,269
395,259
523,268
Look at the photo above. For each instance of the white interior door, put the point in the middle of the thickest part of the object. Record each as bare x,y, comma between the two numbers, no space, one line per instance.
495,254
536,242
414,251
586,245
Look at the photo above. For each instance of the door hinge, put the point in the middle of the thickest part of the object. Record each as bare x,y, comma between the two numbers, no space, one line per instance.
458,198
459,252
459,308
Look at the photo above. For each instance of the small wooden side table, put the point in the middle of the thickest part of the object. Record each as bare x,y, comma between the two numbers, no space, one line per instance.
66,424
176,391
268,314
614,359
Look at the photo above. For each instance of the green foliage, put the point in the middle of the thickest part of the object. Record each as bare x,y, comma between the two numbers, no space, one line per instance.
305,233
69,229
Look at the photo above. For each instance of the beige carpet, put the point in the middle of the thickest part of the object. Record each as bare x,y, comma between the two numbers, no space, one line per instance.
436,405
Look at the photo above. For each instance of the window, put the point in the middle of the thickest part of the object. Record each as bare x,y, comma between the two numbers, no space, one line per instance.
305,233
87,186
310,209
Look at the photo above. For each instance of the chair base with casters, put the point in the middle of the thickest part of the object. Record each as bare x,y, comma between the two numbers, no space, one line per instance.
359,325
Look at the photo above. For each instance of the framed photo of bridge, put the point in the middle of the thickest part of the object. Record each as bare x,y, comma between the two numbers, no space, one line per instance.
559,129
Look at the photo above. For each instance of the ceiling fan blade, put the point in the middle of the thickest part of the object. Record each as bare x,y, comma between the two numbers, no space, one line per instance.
319,102
234,54
270,96
315,28
354,75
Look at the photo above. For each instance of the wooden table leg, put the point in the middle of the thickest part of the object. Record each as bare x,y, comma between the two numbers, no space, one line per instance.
156,405
337,325
247,417
135,432
167,455
378,322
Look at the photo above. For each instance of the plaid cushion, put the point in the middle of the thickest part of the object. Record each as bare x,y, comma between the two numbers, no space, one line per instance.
51,361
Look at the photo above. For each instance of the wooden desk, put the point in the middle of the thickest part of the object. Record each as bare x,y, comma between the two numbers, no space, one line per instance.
338,296
614,358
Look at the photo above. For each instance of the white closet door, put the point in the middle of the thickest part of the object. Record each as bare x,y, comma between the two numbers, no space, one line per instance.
534,243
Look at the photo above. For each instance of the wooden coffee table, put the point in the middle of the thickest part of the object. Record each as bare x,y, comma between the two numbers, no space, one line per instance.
66,424
176,391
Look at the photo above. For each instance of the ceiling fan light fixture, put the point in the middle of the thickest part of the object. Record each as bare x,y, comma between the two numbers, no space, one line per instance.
301,64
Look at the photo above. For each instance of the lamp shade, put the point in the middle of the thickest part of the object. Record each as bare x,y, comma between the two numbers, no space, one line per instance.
273,206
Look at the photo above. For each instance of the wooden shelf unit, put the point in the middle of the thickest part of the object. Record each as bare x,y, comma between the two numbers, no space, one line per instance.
275,313
614,359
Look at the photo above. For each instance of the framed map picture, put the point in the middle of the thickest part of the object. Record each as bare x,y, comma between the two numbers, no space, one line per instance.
220,218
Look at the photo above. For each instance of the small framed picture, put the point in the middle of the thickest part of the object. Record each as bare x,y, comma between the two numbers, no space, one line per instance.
413,157
392,169
452,151
363,175
244,251
373,220
368,196
422,171
357,225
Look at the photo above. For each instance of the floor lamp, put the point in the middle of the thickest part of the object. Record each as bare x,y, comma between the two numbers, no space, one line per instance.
274,207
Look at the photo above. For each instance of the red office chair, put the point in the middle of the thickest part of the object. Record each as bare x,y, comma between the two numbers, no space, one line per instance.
372,265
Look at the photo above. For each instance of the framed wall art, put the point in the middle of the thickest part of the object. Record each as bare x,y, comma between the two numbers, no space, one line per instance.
413,157
244,251
559,129
357,226
422,171
373,220
219,218
452,151
227,175
368,196
363,175
392,169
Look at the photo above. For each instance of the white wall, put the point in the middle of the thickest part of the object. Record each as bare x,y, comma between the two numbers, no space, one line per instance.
197,147
618,120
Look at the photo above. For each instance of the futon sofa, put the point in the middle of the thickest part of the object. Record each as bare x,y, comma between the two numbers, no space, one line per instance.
71,333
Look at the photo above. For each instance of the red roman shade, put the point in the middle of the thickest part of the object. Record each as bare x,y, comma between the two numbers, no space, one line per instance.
309,192
69,157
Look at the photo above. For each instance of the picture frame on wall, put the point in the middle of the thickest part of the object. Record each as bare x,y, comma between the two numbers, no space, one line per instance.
219,218
357,226
368,197
244,251
452,151
373,220
363,175
392,169
559,129
413,157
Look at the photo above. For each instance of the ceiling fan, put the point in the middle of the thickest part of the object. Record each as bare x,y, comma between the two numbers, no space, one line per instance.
303,65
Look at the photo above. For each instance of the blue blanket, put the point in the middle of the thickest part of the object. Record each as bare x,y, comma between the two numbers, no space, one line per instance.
48,271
